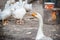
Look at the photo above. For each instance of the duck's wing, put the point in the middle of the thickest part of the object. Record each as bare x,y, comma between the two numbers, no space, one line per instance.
5,13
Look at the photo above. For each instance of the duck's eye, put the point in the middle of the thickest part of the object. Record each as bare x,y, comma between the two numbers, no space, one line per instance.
34,14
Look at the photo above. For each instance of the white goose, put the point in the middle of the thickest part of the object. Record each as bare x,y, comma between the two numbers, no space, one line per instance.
6,13
27,6
7,4
19,12
40,35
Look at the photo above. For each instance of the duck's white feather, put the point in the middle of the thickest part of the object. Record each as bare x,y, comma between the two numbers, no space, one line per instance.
28,7
7,4
19,11
6,11
5,14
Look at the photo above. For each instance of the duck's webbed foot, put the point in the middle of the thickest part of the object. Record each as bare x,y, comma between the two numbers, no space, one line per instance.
5,22
21,22
18,21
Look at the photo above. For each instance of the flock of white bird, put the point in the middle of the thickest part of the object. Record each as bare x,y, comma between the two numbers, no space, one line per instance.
18,10
15,9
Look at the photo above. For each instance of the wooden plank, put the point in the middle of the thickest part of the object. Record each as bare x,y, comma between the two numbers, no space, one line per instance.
56,9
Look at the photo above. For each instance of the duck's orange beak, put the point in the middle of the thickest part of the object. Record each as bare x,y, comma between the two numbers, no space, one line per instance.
34,14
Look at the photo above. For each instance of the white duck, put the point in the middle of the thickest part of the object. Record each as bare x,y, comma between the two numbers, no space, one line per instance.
40,35
27,6
9,2
19,12
6,13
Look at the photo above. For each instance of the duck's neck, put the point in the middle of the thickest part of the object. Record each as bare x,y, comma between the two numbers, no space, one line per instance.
0,10
40,33
21,1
